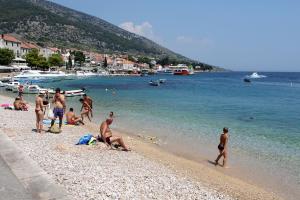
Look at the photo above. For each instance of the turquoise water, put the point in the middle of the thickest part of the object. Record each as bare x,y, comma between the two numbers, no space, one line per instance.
189,112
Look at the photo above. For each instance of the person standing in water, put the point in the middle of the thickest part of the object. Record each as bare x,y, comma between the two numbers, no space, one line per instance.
89,100
59,107
223,149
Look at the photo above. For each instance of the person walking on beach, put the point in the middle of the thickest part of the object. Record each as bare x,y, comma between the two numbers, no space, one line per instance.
72,119
86,109
107,136
89,100
59,107
39,107
223,147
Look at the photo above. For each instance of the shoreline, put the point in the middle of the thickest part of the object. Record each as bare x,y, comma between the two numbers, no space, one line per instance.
184,167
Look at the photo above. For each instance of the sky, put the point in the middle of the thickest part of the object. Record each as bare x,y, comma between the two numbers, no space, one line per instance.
256,35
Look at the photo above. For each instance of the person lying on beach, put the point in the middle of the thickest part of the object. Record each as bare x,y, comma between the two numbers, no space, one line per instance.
72,119
86,109
59,107
107,136
223,150
89,100
39,112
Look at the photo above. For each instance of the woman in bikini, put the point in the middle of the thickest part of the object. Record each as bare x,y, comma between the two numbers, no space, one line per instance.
86,109
39,107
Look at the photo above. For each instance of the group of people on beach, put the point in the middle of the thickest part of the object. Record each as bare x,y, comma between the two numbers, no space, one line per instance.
59,110
106,136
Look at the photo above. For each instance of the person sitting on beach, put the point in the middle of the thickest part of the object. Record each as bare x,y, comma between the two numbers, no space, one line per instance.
86,109
72,119
223,147
107,136
20,104
17,103
59,107
89,101
39,112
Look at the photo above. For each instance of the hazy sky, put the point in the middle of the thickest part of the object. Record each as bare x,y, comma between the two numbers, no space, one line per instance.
240,35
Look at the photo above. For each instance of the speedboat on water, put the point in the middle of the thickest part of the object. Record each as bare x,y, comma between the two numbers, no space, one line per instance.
154,83
162,80
35,89
247,80
85,74
256,75
32,74
12,86
70,93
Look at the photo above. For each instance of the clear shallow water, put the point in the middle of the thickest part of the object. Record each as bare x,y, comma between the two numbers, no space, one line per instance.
190,111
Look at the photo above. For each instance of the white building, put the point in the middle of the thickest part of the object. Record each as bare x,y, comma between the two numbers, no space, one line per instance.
12,43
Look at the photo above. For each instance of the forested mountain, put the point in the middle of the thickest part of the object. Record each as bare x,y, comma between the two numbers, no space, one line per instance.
50,24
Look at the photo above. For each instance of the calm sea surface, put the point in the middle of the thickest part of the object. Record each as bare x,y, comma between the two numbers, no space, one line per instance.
187,114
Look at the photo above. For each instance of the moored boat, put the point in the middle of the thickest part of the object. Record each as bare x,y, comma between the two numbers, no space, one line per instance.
181,72
32,74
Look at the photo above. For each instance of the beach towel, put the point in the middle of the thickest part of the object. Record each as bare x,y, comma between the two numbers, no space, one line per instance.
85,139
5,105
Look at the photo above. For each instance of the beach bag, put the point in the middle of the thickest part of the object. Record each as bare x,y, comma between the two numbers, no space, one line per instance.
50,113
54,129
84,139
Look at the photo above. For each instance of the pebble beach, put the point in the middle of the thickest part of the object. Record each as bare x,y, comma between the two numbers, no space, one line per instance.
96,172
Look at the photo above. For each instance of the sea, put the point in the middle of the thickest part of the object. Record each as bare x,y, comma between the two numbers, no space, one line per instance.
187,115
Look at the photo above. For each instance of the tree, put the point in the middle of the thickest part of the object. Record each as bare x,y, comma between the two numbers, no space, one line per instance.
79,57
55,60
35,60
105,63
6,56
32,58
69,64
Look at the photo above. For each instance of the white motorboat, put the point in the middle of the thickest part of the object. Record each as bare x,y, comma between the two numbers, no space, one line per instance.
40,74
70,93
256,75
2,84
85,73
35,89
12,86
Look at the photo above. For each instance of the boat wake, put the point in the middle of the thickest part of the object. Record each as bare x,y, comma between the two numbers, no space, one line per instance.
256,75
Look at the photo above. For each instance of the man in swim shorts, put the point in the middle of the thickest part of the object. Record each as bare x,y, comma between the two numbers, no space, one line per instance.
107,136
59,107
72,119
223,150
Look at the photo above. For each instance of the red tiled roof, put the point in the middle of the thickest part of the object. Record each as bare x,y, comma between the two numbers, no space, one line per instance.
10,38
26,45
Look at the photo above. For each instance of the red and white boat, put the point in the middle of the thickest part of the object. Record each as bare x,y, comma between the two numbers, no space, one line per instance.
181,72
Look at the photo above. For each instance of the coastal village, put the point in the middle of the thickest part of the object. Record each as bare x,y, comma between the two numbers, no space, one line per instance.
108,64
